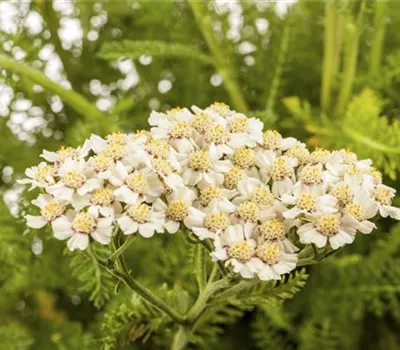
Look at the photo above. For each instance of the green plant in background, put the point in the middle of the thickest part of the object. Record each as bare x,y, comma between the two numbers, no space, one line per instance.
341,61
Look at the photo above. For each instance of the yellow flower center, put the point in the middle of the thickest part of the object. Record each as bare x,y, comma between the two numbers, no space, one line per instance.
116,151
158,148
307,201
311,175
74,179
217,134
268,252
348,156
162,166
53,210
242,251
67,152
209,193
172,114
238,125
376,176
216,221
102,196
356,210
199,161
102,162
299,152
177,210
262,196
84,223
201,122
221,108
181,129
272,229
137,182
272,140
248,211
244,157
319,155
343,194
43,171
281,169
383,195
117,137
232,177
328,225
141,213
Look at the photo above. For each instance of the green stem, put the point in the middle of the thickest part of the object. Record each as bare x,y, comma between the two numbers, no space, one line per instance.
138,288
220,264
278,70
350,61
122,248
200,267
221,61
73,99
201,302
181,339
379,35
331,54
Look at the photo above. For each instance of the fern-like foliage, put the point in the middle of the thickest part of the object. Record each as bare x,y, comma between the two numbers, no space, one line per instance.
316,336
94,279
135,49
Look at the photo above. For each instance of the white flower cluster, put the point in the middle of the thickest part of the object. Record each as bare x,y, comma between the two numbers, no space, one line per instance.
215,172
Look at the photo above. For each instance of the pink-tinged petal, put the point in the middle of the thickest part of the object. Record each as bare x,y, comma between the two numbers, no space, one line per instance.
78,241
35,221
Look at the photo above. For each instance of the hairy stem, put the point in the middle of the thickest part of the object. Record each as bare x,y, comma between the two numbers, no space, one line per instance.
200,267
180,339
221,61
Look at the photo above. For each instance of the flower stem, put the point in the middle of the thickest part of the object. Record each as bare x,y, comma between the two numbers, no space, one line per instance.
121,249
200,267
180,339
221,61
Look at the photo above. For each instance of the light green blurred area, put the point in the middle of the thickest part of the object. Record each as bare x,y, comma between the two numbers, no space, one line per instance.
327,73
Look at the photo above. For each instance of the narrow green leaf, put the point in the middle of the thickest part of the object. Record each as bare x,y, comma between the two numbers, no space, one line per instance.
135,49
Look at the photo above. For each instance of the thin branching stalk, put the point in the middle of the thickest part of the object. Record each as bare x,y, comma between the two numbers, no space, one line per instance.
375,57
181,338
273,91
221,61
135,286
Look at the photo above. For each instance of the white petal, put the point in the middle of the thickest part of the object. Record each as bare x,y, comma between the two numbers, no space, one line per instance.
35,221
78,241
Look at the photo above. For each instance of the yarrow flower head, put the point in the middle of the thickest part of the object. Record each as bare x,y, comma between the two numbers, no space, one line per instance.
252,196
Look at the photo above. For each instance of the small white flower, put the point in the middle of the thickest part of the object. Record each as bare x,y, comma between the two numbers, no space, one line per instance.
141,218
50,208
325,228
237,247
42,175
78,226
140,185
216,197
244,131
204,166
66,152
273,261
208,223
176,209
75,181
383,195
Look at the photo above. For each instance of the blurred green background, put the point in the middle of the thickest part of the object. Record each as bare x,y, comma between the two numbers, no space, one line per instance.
327,73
